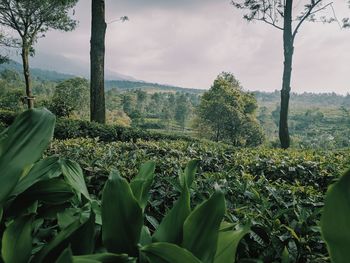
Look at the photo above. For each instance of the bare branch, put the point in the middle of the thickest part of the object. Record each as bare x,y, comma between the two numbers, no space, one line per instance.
268,22
306,15
322,8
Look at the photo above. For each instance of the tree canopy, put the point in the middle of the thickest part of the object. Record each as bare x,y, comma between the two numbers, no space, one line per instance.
31,19
227,113
71,95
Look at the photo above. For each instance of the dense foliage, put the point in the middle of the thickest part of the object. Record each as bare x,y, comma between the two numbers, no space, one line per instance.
315,120
70,96
280,192
70,128
276,194
227,113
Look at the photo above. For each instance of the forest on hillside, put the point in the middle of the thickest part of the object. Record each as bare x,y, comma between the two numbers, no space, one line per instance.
316,120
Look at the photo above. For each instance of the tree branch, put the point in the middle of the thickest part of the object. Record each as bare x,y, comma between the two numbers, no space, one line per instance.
308,13
268,22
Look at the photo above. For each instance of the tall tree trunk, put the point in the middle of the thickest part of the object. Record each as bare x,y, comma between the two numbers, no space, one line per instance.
97,56
287,72
25,62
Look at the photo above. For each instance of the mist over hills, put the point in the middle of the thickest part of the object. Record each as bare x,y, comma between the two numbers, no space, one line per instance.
113,79
127,83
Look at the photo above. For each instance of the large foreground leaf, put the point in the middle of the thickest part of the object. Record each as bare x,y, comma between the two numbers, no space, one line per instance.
104,258
228,243
73,174
141,184
42,170
187,177
17,241
201,228
335,221
171,228
26,140
51,251
168,253
122,217
65,257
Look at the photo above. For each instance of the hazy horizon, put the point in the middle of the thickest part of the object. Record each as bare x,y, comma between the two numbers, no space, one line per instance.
188,43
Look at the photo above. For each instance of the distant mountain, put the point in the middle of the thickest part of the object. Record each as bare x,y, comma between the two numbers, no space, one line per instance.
121,84
41,74
67,65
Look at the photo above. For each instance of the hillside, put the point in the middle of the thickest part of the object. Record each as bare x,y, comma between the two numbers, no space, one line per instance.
37,73
148,87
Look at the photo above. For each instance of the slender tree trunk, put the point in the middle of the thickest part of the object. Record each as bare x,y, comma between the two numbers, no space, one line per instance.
26,72
287,72
97,56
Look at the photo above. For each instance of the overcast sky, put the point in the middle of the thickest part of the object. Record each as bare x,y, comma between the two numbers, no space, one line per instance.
189,42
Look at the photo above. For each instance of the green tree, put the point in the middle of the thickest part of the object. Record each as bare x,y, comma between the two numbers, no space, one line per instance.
127,102
227,113
141,97
11,90
182,110
279,14
71,95
31,19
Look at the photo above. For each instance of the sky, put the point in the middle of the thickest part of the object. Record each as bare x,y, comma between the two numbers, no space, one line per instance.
188,43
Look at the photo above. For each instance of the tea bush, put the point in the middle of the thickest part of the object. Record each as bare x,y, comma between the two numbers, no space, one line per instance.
274,201
280,192
71,128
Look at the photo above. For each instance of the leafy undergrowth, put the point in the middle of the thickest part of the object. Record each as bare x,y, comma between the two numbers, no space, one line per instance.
280,192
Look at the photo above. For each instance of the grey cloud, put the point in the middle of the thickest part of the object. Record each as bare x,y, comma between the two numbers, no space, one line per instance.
189,42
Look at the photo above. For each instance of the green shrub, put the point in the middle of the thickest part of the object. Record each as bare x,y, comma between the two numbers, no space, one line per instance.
280,191
70,128
188,235
47,209
52,193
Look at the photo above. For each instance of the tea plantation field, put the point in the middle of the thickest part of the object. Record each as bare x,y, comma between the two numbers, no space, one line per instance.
280,193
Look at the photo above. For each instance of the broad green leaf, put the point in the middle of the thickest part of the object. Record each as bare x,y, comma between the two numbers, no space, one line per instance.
227,244
171,228
201,228
187,177
17,241
54,248
285,256
26,140
74,176
96,208
145,238
104,258
44,169
335,224
87,260
53,191
83,240
122,217
67,217
141,184
168,253
65,257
